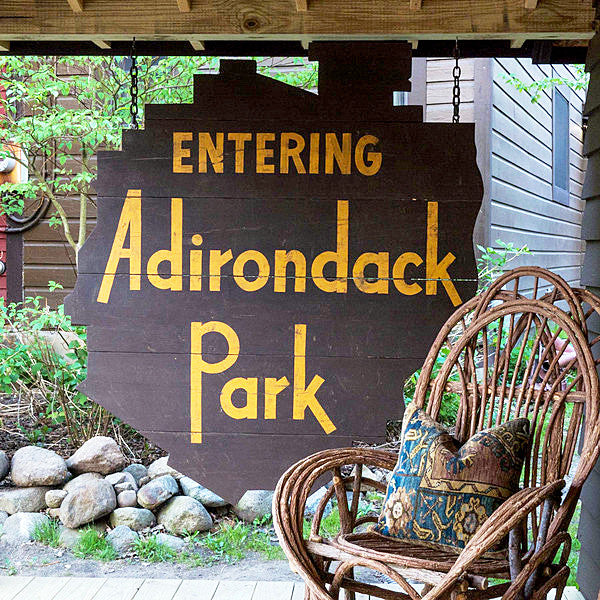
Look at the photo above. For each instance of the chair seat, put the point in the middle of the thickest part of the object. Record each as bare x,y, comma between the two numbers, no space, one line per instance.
417,555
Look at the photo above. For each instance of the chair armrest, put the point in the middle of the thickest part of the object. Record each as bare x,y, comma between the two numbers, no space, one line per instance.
509,515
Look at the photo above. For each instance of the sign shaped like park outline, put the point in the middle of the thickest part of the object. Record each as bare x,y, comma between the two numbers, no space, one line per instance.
270,264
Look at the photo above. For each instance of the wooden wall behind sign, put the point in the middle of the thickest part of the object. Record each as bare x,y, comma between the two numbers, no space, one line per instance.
269,265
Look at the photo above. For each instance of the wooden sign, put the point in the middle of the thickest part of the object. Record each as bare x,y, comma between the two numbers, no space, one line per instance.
269,264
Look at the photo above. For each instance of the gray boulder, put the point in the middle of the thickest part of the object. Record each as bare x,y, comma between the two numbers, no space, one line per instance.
122,538
138,471
135,518
160,467
81,481
198,492
126,498
20,526
16,500
183,514
170,541
99,454
87,503
3,517
254,504
54,498
157,491
4,465
32,466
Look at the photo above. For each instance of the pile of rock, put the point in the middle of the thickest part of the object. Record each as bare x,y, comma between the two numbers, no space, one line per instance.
97,486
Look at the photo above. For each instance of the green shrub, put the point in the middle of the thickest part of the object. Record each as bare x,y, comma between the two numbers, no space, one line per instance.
47,533
92,544
151,550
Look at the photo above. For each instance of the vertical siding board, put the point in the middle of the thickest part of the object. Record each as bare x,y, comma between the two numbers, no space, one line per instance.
522,207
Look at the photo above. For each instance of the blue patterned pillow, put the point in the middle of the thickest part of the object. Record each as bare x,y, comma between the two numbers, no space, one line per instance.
441,493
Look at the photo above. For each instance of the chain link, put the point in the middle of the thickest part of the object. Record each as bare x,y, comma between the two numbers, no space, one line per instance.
133,74
456,71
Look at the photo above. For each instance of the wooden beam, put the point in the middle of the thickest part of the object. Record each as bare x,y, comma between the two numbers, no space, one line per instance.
416,4
531,4
301,5
414,44
197,45
184,5
518,42
102,44
4,46
116,20
76,5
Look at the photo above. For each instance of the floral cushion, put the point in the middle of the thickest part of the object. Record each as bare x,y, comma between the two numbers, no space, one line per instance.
441,493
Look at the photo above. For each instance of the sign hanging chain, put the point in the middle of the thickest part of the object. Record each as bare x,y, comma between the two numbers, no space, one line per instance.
456,87
133,74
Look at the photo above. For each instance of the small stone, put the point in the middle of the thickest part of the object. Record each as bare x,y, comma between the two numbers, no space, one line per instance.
81,480
126,498
198,492
16,500
312,502
135,518
160,467
126,485
87,503
157,491
122,538
4,465
54,513
138,471
33,466
254,504
54,498
122,478
144,480
99,454
3,516
171,541
20,526
183,514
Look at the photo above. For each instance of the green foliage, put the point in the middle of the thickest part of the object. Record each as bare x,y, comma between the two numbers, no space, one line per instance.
92,544
535,88
573,560
151,550
492,262
232,541
47,533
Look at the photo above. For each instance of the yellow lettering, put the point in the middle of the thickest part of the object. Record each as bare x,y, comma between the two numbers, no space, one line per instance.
250,409
129,221
382,260
262,153
196,265
437,270
304,397
272,387
409,289
342,156
293,152
240,140
217,260
313,164
207,148
282,259
174,256
373,158
198,366
263,270
179,152
340,257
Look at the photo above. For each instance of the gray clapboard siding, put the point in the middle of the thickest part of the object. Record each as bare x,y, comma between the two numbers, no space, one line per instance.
521,205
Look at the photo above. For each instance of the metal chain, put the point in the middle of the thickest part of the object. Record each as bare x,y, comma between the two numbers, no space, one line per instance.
456,87
133,73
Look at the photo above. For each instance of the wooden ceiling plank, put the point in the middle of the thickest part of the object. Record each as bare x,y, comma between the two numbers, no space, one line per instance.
416,4
301,5
531,4
184,5
76,5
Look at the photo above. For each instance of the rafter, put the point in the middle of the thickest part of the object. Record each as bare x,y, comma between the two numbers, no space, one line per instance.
102,44
184,5
531,4
76,5
197,45
4,46
518,42
301,5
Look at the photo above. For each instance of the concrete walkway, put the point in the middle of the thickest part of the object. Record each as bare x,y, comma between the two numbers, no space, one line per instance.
120,588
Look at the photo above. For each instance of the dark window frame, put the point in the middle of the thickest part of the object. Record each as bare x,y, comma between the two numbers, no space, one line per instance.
561,147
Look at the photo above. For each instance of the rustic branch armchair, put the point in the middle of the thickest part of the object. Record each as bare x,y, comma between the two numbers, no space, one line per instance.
519,349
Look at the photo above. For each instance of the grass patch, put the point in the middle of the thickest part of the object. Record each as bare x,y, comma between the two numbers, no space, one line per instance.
573,560
233,541
151,550
47,533
92,544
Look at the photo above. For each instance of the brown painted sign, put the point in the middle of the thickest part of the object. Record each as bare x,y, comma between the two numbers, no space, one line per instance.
269,264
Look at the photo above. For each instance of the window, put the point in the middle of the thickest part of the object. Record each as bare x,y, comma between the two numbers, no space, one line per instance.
400,98
560,147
